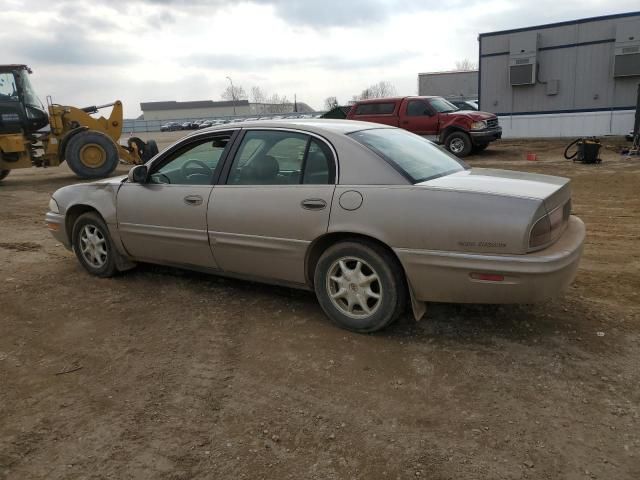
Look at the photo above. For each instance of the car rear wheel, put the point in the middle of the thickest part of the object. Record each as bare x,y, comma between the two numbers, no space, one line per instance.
458,143
360,286
92,245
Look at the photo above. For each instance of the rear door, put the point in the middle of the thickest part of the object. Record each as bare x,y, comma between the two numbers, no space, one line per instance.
165,219
274,201
418,117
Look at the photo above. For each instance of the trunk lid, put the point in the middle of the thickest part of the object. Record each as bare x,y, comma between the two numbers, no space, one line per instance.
553,191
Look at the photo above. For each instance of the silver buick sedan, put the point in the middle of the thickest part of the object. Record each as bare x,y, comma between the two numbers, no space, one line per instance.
372,218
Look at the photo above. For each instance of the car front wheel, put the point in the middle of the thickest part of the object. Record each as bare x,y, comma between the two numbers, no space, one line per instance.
360,286
458,143
92,245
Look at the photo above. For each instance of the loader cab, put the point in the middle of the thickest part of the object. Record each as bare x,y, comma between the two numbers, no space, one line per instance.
21,111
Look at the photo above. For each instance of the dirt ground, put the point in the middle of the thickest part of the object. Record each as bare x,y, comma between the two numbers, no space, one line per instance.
165,374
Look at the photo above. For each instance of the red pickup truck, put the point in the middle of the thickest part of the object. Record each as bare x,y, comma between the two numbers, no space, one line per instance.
460,131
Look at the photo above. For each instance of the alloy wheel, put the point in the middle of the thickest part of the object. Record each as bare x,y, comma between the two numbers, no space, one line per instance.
93,246
354,287
456,145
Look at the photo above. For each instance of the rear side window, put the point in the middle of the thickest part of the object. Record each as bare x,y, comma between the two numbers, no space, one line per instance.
375,108
267,157
318,168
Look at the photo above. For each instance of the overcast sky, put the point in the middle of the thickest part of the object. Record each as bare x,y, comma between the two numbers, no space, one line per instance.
96,51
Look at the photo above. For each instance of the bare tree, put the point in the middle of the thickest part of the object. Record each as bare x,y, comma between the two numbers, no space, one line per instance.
258,95
379,90
279,104
234,93
330,103
466,65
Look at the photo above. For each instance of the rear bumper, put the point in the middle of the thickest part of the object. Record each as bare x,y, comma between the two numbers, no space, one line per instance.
56,225
486,136
438,276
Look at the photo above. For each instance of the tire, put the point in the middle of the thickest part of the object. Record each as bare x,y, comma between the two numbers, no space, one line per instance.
458,143
340,261
91,231
91,154
3,174
480,148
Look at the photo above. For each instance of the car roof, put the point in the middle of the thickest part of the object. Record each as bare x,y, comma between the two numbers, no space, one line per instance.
394,99
313,125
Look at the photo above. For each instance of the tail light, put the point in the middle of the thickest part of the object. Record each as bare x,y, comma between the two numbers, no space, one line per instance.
548,228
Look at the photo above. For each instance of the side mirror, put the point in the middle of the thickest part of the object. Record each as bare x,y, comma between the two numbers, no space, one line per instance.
138,174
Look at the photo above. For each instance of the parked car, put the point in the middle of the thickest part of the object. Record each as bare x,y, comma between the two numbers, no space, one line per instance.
366,215
461,132
205,124
464,104
170,127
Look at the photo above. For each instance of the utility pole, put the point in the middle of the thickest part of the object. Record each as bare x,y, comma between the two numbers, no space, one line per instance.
295,102
233,95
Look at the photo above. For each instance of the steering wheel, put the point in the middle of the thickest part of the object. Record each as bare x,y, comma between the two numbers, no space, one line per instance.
201,169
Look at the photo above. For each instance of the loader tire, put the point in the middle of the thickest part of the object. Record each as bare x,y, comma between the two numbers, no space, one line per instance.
91,154
3,174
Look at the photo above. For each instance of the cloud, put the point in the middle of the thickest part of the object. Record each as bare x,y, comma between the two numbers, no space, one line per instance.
144,50
327,62
317,13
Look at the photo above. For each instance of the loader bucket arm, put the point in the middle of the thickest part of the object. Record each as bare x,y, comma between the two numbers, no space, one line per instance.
65,118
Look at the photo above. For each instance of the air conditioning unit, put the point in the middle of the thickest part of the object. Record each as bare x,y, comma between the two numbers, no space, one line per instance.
627,49
523,58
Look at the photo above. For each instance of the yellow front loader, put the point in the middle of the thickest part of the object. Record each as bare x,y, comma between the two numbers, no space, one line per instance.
89,145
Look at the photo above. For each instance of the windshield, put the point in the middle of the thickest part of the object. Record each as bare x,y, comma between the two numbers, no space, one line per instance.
442,106
29,94
415,157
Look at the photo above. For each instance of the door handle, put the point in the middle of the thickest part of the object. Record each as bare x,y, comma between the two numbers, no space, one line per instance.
193,200
405,122
313,204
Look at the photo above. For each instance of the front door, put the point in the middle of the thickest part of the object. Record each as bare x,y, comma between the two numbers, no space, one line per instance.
420,119
276,199
165,219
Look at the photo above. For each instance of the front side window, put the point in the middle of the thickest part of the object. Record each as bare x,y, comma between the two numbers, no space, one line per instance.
193,165
267,157
416,158
8,90
417,108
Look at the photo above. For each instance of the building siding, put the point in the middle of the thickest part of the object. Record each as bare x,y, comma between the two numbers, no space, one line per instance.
449,84
195,113
580,57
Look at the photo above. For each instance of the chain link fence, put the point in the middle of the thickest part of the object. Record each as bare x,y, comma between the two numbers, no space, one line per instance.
137,126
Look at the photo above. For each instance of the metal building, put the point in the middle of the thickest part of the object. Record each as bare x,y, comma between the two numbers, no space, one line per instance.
173,110
573,78
458,84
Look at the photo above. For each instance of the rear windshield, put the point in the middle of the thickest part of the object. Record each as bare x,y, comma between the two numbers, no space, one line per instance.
375,108
415,157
